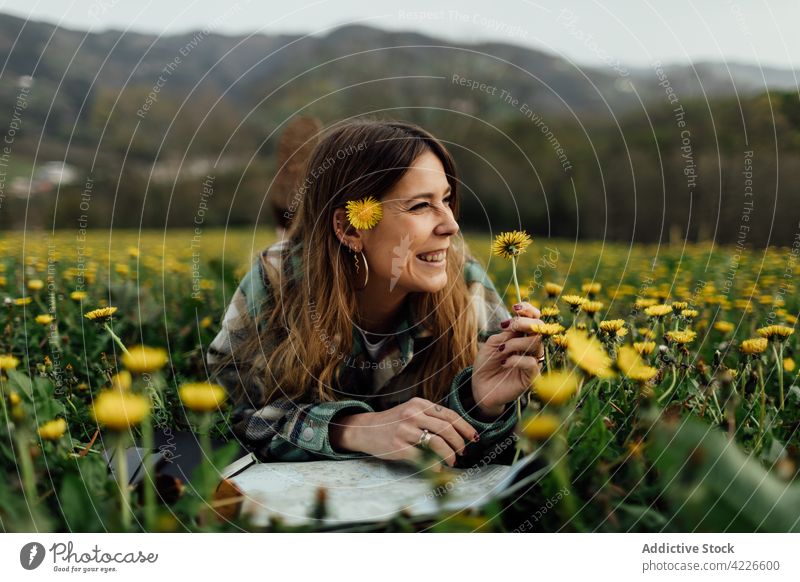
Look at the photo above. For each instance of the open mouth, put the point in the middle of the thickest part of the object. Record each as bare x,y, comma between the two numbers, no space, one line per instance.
435,258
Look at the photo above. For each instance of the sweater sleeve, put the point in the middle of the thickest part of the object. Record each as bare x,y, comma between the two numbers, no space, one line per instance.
283,429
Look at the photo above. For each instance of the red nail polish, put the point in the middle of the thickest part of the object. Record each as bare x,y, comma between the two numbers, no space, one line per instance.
476,437
503,362
505,324
517,306
501,348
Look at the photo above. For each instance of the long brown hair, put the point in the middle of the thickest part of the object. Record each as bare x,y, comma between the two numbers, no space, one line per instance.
292,356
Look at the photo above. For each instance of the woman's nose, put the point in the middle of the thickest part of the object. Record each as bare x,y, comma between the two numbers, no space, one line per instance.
448,226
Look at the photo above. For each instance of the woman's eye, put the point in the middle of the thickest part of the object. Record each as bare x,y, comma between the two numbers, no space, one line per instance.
423,205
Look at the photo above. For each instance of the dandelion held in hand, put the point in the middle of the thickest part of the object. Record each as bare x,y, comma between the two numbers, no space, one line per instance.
509,245
364,214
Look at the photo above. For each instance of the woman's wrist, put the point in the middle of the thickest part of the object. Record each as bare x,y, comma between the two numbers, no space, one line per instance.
343,432
486,408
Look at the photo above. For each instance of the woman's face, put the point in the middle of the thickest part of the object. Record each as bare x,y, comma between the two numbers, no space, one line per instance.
407,250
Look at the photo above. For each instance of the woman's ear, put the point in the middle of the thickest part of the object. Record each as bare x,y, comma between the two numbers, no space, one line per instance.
345,232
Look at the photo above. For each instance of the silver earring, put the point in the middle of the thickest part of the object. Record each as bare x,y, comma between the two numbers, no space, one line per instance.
366,266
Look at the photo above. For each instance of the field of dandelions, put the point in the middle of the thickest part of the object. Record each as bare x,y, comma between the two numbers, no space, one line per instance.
669,401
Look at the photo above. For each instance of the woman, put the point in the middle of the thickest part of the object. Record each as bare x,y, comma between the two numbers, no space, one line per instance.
343,342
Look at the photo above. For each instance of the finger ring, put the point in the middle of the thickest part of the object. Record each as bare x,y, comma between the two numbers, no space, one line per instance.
424,438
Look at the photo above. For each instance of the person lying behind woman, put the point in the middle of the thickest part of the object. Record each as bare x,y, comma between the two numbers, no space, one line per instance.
380,337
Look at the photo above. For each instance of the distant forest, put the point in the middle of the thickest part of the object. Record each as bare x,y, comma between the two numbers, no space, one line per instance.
648,155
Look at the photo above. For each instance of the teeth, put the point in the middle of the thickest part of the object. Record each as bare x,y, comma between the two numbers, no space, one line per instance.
434,258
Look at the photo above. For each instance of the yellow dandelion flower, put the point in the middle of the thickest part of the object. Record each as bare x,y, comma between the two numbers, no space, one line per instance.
788,365
658,310
206,322
775,332
681,337
688,313
8,362
680,305
643,303
23,301
78,295
552,289
622,332
592,307
588,353
550,312
610,326
202,396
120,410
144,359
3,281
101,315
364,214
724,326
547,329
541,426
555,388
122,381
631,365
53,430
559,340
754,346
14,399
574,301
644,348
44,319
591,288
511,244
35,285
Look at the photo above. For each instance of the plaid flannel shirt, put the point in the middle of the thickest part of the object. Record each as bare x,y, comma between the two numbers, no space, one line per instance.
286,430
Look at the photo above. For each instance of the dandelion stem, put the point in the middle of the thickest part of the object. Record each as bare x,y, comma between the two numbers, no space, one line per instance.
778,351
148,482
514,274
122,483
116,339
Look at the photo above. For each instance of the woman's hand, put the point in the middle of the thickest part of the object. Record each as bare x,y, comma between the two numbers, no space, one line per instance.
393,434
507,362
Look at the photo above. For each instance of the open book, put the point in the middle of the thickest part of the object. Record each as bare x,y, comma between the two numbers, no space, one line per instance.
366,490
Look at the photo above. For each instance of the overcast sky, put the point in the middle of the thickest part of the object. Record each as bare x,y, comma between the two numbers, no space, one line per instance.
634,32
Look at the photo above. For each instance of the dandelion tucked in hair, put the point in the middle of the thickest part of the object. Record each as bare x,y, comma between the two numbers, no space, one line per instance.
555,388
53,430
775,332
754,346
202,396
365,213
101,315
553,290
588,353
509,245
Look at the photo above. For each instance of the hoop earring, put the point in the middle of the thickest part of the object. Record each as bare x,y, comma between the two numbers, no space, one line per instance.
366,266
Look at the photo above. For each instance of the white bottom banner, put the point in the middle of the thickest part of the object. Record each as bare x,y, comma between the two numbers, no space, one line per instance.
355,557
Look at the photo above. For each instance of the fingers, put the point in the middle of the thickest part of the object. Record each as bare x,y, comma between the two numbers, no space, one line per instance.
525,309
529,344
461,426
439,446
522,324
446,431
527,363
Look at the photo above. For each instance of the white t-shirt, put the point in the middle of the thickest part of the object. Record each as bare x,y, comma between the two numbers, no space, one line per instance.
372,348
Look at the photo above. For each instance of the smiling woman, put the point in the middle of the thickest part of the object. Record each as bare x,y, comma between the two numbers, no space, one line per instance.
343,342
